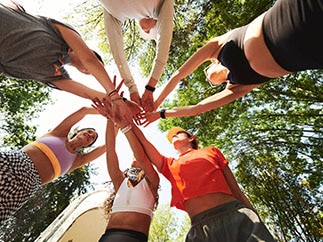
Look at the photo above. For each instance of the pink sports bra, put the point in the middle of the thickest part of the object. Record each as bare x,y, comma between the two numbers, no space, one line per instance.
54,148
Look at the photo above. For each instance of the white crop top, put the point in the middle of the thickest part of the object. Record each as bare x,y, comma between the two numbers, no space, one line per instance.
134,199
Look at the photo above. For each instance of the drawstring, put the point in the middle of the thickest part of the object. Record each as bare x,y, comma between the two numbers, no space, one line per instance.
206,230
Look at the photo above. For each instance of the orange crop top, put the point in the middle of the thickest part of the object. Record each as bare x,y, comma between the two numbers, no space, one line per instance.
195,173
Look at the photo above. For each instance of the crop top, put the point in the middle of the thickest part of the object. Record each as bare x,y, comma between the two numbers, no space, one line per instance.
134,199
31,47
195,173
232,56
54,148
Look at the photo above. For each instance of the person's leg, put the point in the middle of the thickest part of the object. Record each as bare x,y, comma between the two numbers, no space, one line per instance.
19,179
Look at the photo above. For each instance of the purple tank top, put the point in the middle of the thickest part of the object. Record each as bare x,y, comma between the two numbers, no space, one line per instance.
57,145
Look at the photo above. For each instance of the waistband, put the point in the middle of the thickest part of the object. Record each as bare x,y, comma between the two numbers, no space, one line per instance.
139,235
217,211
51,156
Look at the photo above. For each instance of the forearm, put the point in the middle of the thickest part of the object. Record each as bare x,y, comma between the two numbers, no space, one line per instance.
170,86
153,154
113,30
78,89
217,100
164,38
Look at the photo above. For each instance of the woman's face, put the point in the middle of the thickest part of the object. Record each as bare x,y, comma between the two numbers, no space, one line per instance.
86,137
216,73
147,24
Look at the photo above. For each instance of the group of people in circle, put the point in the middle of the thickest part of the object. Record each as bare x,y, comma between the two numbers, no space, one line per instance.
283,40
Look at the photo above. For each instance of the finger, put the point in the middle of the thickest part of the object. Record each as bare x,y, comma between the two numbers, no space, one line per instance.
120,85
114,80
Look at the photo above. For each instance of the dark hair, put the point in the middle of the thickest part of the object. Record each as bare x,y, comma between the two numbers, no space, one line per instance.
193,142
77,131
98,56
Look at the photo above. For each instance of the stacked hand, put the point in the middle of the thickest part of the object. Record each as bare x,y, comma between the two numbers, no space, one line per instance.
117,107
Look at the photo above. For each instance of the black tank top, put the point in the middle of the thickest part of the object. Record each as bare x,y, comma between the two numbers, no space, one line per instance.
232,56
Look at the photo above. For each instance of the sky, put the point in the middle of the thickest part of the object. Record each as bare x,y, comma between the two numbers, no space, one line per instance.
66,103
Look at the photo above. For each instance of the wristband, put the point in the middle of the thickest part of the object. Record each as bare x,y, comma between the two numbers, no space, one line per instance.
150,88
162,113
126,129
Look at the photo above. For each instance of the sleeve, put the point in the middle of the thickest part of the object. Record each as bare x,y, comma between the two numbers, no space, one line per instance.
219,158
113,28
164,38
164,170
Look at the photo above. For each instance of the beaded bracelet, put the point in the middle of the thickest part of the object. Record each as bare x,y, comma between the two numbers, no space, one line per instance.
126,129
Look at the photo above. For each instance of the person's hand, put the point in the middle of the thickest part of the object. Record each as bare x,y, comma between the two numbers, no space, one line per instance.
104,107
133,107
135,98
118,105
146,118
147,101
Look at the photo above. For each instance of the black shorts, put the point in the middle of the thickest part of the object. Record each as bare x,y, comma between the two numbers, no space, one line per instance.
123,235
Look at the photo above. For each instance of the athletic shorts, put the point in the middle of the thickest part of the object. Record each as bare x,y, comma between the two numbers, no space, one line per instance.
19,179
231,222
123,235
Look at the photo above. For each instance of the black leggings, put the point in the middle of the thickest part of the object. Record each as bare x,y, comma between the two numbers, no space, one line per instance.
123,235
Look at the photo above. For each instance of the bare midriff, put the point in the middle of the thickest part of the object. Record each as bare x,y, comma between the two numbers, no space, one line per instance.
42,163
257,53
202,203
130,221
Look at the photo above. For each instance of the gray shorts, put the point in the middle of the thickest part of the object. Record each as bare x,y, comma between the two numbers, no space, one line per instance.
19,179
231,222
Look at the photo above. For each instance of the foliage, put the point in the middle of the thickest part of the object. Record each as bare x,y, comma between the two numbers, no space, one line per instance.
20,103
166,226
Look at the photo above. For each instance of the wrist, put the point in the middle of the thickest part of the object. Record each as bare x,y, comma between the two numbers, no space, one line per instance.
162,113
126,129
150,88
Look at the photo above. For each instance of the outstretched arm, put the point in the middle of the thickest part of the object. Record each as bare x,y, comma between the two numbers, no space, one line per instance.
93,65
62,129
153,154
76,88
229,94
114,171
205,53
141,156
113,30
164,38
86,56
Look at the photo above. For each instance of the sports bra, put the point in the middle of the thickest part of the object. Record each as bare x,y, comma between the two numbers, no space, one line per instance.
134,199
54,148
232,56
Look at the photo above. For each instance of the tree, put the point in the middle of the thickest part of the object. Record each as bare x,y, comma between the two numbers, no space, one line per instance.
166,226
